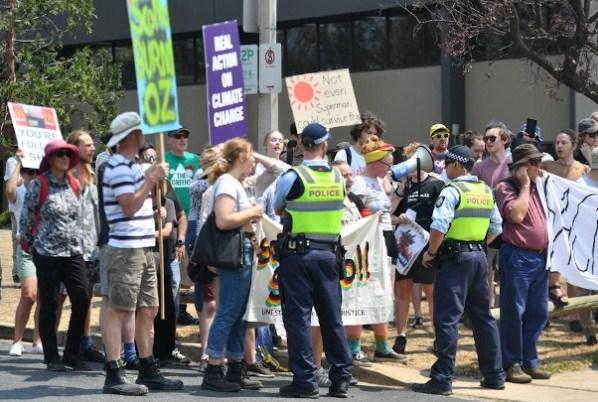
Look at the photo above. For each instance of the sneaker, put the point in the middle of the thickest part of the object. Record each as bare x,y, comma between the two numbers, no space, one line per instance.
73,361
516,375
56,366
339,390
322,377
271,362
492,385
16,349
429,388
36,349
591,340
179,358
417,322
361,359
92,354
15,279
187,319
292,391
353,381
391,355
400,343
258,369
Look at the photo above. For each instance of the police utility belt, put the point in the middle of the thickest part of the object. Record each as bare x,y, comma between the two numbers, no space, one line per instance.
300,244
452,249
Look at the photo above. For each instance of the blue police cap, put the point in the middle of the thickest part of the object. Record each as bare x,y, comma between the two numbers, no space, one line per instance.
316,132
461,154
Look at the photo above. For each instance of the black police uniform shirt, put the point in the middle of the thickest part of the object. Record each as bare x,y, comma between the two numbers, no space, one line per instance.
421,198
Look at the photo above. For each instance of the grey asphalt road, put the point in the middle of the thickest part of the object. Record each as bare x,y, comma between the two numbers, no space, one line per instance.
25,378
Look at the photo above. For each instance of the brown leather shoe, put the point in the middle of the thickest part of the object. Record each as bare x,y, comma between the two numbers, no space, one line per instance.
536,373
516,375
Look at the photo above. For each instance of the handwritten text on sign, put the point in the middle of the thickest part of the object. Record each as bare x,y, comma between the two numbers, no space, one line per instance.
34,126
226,104
154,65
325,97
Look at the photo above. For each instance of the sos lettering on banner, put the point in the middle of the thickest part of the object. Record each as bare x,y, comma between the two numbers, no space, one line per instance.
34,127
154,65
224,82
366,287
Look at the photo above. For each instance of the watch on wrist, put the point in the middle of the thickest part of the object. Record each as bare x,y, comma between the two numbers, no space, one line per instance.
180,243
431,254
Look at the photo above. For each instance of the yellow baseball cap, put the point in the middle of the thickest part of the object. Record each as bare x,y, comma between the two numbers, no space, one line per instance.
438,127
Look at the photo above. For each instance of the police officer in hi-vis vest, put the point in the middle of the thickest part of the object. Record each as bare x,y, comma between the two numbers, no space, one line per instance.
465,218
310,199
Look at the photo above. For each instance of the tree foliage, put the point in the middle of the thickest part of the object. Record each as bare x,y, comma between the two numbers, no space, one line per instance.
35,68
561,37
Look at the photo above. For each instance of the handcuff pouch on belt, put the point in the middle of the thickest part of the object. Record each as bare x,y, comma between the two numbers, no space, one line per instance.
449,250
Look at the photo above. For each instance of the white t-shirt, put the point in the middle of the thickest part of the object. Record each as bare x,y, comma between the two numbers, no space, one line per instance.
371,191
588,181
357,160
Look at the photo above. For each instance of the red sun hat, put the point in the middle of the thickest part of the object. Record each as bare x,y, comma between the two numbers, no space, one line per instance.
54,146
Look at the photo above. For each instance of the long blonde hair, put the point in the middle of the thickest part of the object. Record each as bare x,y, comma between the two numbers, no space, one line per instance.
88,174
231,152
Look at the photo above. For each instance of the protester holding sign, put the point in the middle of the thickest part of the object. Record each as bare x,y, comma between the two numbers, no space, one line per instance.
417,193
50,229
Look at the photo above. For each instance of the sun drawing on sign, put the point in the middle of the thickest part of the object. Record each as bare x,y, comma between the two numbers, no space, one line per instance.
303,91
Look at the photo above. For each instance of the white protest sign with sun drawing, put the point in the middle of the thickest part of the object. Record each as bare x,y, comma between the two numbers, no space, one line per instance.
326,97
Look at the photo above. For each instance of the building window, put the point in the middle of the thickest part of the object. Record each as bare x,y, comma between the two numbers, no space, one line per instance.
406,45
335,45
302,49
184,60
123,54
369,41
201,62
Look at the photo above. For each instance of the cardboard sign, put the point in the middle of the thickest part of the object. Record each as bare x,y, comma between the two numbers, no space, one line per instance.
34,126
224,79
154,65
326,97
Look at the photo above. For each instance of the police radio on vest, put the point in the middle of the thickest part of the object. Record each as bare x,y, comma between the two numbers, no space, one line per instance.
426,163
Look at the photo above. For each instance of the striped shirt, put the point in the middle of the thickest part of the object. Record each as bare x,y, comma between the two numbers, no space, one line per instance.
121,177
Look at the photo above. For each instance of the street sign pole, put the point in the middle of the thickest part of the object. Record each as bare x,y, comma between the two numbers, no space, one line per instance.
268,103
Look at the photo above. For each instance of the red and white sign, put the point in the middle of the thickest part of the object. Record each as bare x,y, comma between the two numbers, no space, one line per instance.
270,71
34,126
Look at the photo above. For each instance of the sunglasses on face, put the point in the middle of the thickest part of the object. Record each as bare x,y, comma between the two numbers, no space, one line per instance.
591,135
439,136
29,172
62,153
179,136
490,138
149,158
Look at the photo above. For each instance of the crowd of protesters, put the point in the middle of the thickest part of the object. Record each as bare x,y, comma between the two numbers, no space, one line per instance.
75,226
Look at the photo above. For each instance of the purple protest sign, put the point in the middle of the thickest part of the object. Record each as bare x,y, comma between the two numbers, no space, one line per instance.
226,104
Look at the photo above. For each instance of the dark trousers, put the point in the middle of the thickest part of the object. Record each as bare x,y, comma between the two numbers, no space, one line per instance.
462,286
523,304
165,330
73,272
306,281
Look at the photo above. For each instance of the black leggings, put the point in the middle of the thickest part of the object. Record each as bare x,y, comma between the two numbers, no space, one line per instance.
73,272
165,330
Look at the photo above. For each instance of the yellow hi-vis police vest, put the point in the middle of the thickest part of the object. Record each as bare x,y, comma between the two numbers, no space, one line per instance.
472,216
318,212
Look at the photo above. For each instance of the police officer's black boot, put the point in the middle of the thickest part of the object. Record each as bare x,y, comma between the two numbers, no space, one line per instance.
150,376
117,382
214,380
237,373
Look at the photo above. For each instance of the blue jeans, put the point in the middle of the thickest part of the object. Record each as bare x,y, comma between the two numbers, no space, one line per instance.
228,329
523,304
175,269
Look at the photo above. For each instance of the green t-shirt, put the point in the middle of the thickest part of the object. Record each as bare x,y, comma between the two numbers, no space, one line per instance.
182,169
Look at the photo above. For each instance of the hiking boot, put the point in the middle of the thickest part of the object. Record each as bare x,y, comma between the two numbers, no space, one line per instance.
117,383
73,361
150,376
237,373
400,343
429,388
214,380
92,354
56,366
339,390
258,369
536,374
292,391
515,374
390,356
492,385
322,377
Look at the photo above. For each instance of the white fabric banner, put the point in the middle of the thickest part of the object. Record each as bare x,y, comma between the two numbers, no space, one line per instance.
367,290
572,220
